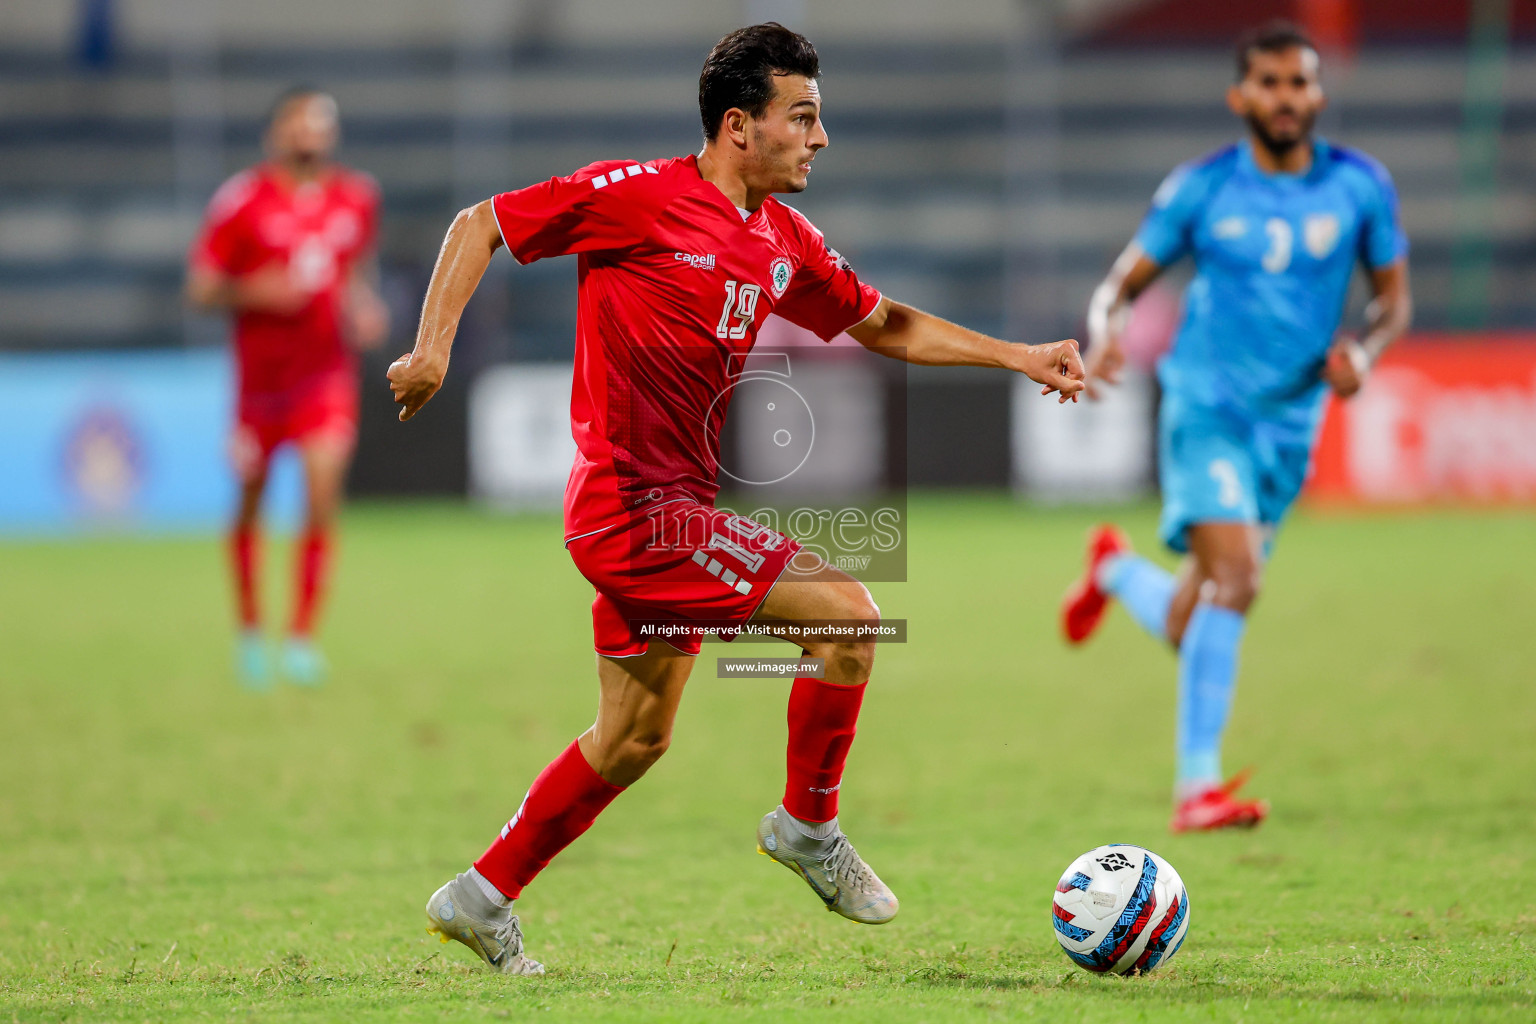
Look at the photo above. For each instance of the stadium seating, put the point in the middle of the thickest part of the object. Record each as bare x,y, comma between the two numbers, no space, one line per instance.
101,182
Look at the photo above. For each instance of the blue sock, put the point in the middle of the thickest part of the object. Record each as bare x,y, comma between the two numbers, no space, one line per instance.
1144,589
1207,676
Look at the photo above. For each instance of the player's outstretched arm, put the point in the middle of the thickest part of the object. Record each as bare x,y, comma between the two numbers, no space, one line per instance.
1110,309
1387,318
902,332
265,291
367,314
466,252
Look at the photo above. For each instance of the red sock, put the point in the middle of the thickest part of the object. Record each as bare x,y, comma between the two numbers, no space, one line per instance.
561,804
822,720
244,547
314,558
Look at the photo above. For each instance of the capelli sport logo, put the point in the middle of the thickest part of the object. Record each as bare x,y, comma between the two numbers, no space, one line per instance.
695,260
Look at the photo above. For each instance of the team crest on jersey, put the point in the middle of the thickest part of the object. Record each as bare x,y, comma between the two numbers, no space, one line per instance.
1320,231
779,273
1229,228
277,229
343,228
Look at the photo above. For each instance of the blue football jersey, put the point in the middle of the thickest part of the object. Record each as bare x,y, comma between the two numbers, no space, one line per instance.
1274,254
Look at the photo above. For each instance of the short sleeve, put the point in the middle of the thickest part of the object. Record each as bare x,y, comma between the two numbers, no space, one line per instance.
824,296
1382,239
601,207
1167,232
223,241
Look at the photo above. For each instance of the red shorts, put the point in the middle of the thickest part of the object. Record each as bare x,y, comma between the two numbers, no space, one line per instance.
678,563
323,407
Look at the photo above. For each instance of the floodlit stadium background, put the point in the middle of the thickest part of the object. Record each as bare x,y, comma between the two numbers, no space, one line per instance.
988,160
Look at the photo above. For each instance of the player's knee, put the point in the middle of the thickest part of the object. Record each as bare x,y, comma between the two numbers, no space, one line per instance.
248,511
320,511
854,603
319,519
851,663
1237,583
846,663
865,608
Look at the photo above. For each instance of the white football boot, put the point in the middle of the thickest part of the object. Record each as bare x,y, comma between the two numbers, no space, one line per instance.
831,867
459,910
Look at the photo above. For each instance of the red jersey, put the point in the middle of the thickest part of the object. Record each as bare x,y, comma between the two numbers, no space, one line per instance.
319,231
673,285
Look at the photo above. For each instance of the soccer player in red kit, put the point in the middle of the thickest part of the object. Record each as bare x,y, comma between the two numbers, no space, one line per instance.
287,248
680,260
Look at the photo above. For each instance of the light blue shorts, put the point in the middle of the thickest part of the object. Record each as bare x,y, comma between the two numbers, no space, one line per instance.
1216,466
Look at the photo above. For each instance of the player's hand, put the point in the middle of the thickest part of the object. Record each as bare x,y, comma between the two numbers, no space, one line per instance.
1056,365
1346,367
269,290
414,381
1104,365
369,319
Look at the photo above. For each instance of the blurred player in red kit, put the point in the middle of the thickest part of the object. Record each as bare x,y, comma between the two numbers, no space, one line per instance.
287,248
680,261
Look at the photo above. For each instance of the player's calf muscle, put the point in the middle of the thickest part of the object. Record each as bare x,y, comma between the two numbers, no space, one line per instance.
625,759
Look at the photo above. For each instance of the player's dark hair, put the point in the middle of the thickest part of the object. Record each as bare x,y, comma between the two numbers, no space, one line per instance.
739,71
302,90
1275,36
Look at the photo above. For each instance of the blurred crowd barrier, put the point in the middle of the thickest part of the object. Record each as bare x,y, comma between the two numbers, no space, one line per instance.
136,440
122,441
987,160
1442,419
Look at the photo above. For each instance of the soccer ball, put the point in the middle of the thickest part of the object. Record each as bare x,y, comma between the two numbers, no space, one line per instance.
1120,908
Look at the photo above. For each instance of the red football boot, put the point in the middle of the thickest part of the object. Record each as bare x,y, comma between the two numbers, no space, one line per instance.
1216,808
1083,608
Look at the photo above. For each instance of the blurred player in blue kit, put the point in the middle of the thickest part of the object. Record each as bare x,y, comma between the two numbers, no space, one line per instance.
1276,225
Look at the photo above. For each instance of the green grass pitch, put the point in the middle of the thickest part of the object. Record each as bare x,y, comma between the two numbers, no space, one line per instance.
172,848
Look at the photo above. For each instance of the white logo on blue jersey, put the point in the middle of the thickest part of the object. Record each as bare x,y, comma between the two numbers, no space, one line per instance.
1321,233
1229,228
